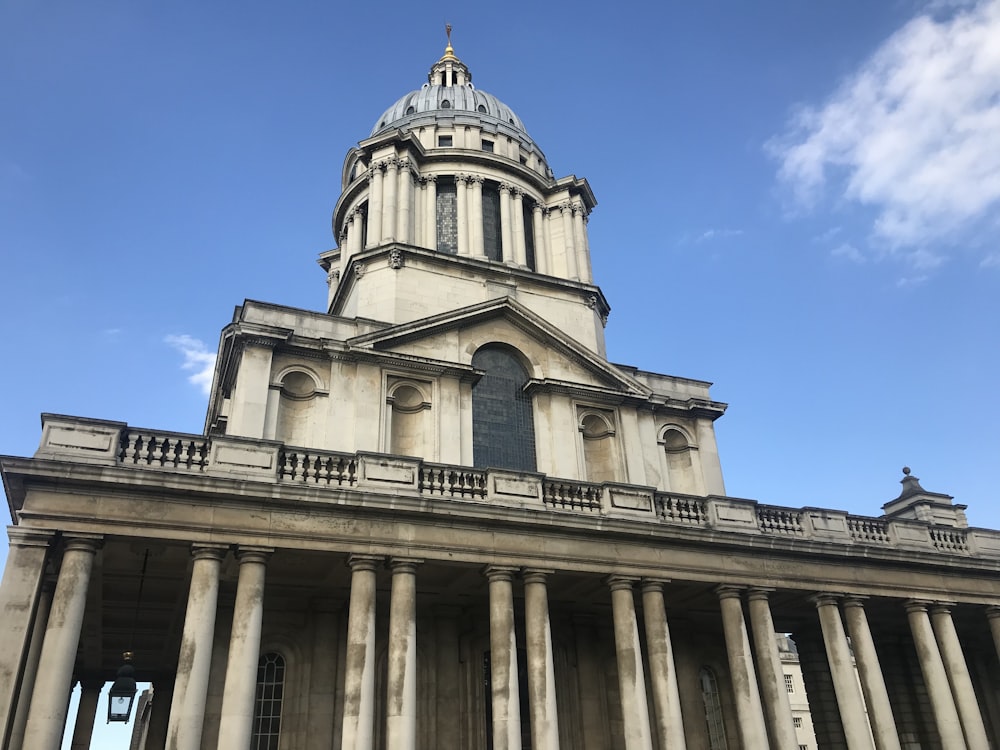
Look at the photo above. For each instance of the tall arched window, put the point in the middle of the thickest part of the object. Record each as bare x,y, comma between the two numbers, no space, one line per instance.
492,236
503,427
267,705
447,215
713,709
408,420
295,407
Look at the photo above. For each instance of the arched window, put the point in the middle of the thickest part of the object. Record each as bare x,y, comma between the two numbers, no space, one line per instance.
713,709
447,215
503,428
599,455
680,462
267,704
492,242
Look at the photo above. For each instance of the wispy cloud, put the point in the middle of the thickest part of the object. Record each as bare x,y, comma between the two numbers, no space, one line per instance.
718,234
847,251
197,359
912,133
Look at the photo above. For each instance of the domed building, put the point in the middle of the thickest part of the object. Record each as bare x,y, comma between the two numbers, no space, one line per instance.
433,515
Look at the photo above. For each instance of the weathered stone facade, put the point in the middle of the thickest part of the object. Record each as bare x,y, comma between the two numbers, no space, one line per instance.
435,516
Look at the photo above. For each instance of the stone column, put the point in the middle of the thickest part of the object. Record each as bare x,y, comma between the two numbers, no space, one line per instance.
478,249
503,660
401,696
845,683
663,674
359,668
880,716
462,211
22,623
958,677
390,209
541,669
187,705
568,244
405,213
236,720
777,709
631,680
506,225
54,679
430,212
993,617
31,666
520,249
580,242
749,713
541,246
935,677
356,236
375,207
86,713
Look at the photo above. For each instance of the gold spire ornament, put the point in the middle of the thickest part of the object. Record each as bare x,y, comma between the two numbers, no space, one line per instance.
448,51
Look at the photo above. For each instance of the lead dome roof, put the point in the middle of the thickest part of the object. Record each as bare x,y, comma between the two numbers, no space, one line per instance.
450,95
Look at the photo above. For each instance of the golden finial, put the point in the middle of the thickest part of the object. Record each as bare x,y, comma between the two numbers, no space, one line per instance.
448,51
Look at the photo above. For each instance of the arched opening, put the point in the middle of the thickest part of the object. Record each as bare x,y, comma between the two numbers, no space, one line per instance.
266,732
599,455
492,242
298,389
503,427
681,472
408,417
447,215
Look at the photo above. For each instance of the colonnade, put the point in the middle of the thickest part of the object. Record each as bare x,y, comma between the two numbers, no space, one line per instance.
403,207
762,712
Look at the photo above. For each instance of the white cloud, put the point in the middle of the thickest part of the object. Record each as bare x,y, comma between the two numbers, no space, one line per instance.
197,358
847,251
912,133
718,234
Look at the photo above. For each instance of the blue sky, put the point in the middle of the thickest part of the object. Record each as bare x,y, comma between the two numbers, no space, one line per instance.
797,201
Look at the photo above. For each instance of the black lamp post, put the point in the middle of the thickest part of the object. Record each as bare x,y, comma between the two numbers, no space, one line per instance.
123,689
122,692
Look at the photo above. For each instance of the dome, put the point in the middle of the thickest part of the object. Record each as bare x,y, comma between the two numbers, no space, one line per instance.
449,95
433,101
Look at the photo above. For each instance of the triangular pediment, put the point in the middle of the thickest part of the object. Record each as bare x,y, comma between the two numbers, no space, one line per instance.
555,358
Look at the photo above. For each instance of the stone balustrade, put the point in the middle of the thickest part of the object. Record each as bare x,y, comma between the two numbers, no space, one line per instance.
90,441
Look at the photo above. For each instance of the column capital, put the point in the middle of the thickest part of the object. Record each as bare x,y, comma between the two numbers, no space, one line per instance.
364,562
403,564
758,593
728,591
535,575
500,572
916,605
83,542
992,611
252,554
824,599
854,600
941,607
20,536
653,584
208,551
619,582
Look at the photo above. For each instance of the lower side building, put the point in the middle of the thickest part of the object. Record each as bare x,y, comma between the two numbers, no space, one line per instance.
278,598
